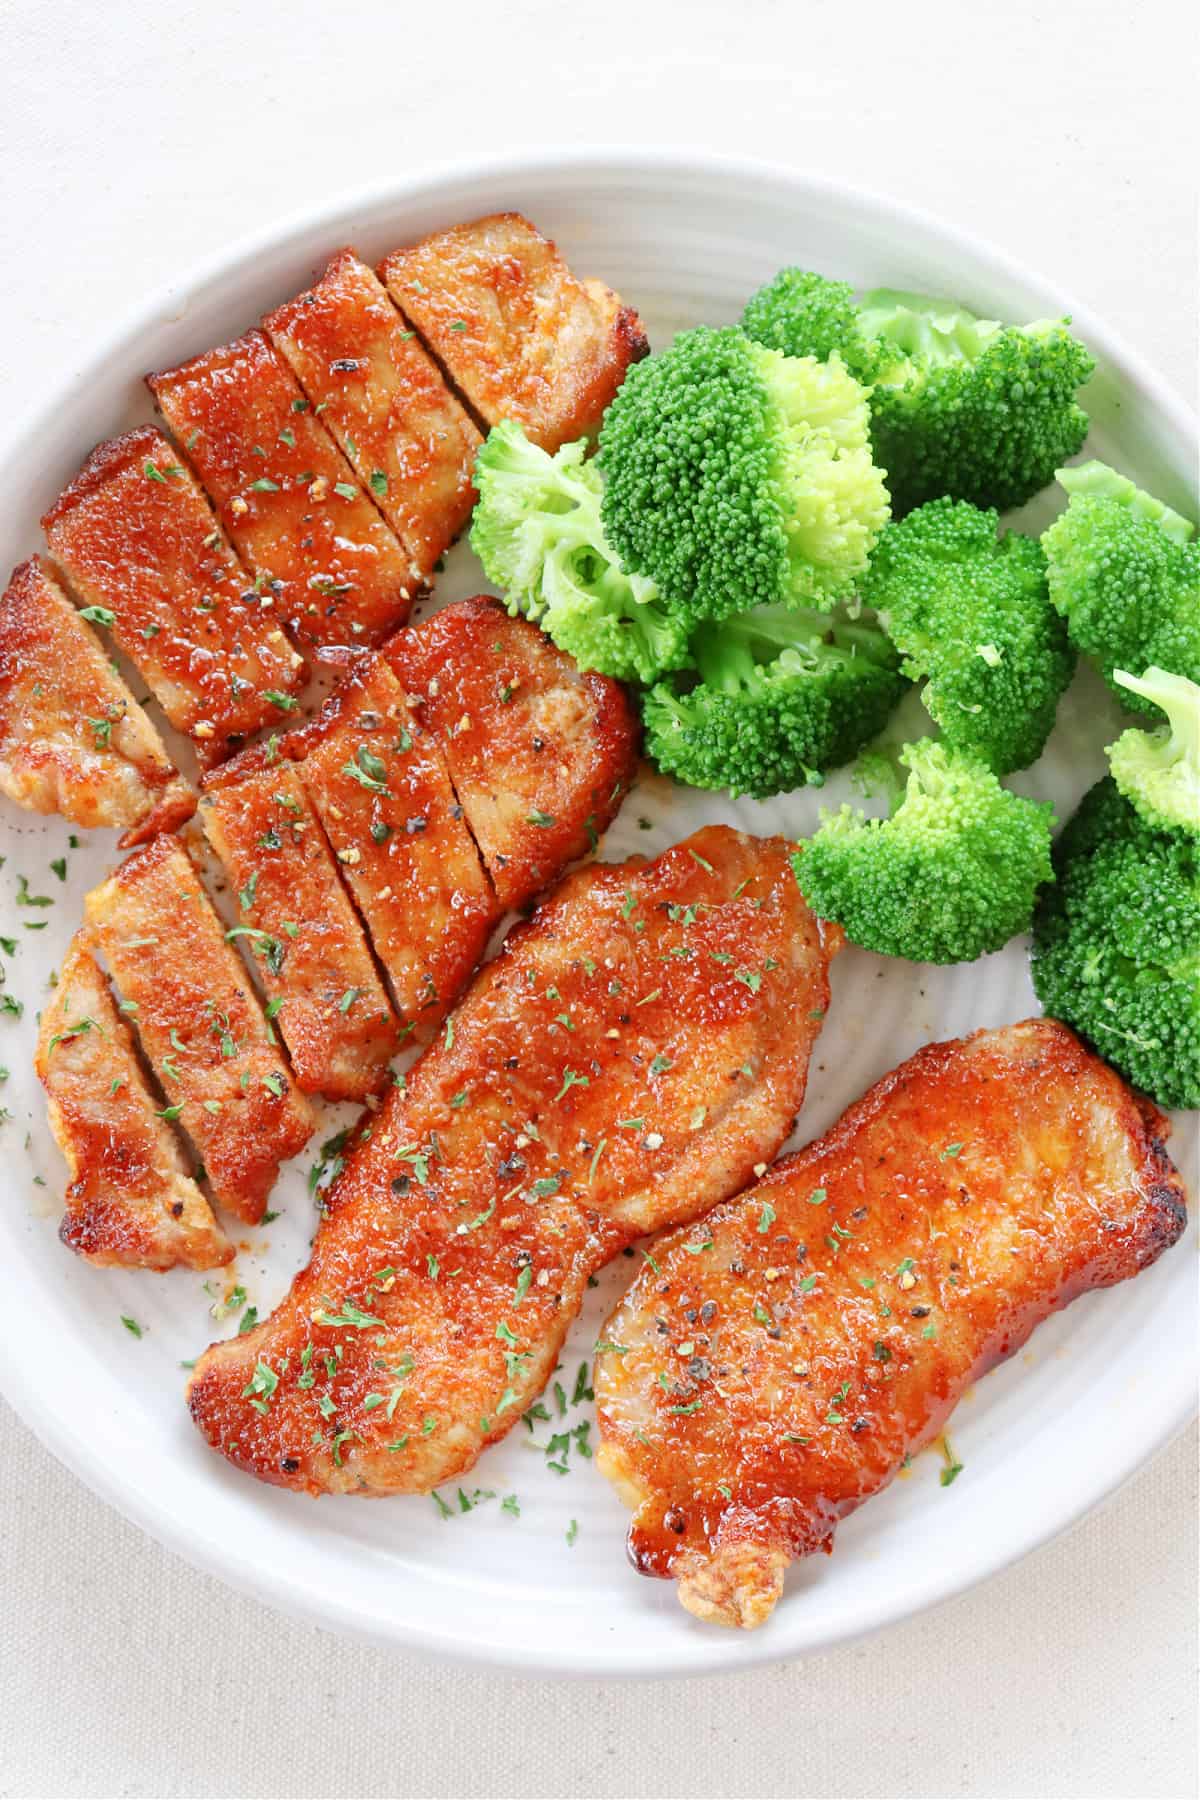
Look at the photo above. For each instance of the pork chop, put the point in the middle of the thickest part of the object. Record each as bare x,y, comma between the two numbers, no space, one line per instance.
632,1054
776,1364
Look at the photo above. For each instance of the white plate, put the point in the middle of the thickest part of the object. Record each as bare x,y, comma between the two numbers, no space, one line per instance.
1099,1389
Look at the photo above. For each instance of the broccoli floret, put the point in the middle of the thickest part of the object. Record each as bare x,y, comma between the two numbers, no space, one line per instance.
1116,944
537,531
950,876
960,405
782,696
971,614
735,477
1125,577
1159,771
805,314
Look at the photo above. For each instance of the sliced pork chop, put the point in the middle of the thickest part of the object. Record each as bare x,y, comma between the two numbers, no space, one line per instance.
200,1023
131,1200
540,753
290,501
518,334
384,400
632,1054
324,992
779,1361
73,740
141,544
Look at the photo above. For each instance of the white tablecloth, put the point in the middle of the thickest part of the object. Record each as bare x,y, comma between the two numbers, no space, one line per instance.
136,138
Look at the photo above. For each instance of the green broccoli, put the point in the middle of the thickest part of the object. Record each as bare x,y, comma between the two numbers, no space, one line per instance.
1125,577
537,531
1159,771
735,477
970,613
782,696
1116,944
950,876
960,405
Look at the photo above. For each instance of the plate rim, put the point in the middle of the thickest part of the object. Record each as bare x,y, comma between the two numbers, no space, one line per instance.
83,1453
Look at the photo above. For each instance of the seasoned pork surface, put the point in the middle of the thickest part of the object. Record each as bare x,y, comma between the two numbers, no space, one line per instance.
540,753
518,334
778,1361
327,1000
631,1055
73,739
131,1199
379,784
294,508
385,402
138,539
200,1023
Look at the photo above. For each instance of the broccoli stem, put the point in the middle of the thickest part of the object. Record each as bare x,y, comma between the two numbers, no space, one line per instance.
1180,700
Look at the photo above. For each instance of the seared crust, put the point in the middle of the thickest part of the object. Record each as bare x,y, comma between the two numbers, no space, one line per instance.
332,1010
136,535
631,1054
200,1023
408,438
381,788
842,1305
73,740
286,495
131,1200
517,333
540,753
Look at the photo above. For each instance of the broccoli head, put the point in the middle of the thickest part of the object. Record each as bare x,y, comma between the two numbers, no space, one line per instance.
735,477
1125,577
782,695
950,876
959,405
1116,944
536,529
971,614
1159,771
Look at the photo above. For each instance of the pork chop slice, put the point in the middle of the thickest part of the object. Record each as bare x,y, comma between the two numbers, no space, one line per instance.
140,543
519,335
291,503
131,1200
540,752
325,995
405,434
200,1023
73,740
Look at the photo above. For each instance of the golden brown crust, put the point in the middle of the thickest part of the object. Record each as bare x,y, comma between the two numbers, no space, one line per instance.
200,1023
771,1382
130,1200
332,1010
540,753
380,786
286,495
517,333
384,400
73,740
136,535
634,1050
